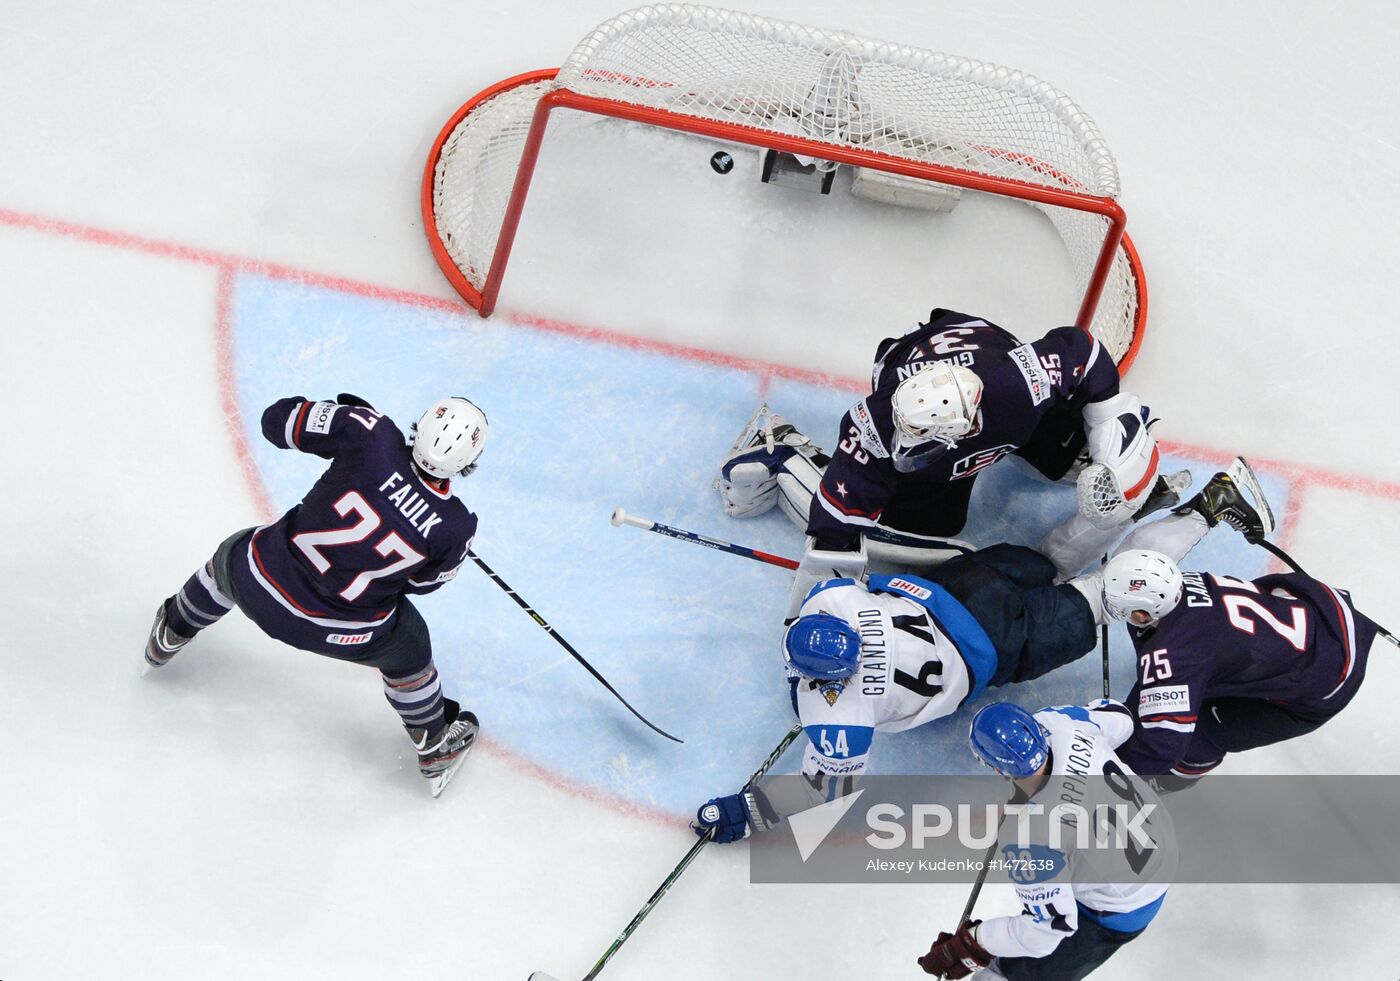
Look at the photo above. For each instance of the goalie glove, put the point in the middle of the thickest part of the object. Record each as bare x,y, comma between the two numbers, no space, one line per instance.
1114,487
818,565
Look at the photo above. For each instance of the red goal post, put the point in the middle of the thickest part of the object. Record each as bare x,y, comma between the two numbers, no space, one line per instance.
826,95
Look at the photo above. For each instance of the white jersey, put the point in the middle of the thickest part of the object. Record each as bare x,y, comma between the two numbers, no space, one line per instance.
911,670
1082,741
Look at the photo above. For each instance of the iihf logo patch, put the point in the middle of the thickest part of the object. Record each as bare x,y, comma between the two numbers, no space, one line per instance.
1135,584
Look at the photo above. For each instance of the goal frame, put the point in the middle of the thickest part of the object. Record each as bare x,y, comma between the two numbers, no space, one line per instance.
484,300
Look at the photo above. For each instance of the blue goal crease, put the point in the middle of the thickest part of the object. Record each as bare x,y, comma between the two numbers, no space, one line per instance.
690,636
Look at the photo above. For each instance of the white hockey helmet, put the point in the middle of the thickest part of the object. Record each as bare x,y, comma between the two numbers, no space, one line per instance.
933,409
1141,581
449,437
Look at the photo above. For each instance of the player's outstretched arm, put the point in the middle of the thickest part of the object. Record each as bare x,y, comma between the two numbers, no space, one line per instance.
824,778
323,428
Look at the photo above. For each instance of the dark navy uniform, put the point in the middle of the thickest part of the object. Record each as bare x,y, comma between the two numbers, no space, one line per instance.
1242,664
1032,401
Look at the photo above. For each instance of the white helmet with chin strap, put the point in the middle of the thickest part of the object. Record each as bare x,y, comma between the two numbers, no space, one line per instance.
449,437
933,410
1141,581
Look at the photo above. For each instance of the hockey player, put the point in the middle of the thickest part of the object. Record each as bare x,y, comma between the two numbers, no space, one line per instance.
1236,665
1074,915
332,575
902,651
949,399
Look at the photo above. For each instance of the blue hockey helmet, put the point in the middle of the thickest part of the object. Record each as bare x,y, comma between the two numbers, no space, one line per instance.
821,645
1007,738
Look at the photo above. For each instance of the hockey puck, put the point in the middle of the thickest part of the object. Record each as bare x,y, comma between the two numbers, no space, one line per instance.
721,162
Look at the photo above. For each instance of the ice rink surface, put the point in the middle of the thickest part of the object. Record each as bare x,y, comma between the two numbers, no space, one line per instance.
205,208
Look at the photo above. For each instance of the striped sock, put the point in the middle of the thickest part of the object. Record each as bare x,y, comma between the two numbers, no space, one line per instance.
199,604
417,698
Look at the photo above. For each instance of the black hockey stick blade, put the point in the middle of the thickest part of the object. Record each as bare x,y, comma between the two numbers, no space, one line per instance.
1287,560
676,872
544,624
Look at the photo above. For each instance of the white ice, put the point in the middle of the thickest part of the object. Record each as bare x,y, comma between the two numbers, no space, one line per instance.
254,812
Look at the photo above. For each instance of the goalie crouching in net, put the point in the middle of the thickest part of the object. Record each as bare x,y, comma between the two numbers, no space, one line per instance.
949,399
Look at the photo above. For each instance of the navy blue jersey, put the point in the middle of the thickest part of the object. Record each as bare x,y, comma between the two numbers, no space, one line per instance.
1288,638
1022,383
370,530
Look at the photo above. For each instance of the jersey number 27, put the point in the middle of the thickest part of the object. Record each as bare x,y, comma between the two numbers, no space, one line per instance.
312,542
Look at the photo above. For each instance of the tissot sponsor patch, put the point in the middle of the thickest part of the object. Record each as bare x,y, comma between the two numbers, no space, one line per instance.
318,419
869,435
1164,699
1037,380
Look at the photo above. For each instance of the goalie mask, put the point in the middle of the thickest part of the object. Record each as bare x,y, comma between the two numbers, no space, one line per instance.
1141,587
449,438
932,411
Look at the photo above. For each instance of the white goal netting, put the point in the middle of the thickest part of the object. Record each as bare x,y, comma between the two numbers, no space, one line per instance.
753,75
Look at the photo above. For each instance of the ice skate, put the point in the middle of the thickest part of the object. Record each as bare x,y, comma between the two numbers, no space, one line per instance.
441,754
1166,493
1235,497
163,643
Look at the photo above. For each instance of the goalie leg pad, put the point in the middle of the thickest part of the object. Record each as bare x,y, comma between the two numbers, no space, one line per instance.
1076,543
748,478
797,482
901,551
818,565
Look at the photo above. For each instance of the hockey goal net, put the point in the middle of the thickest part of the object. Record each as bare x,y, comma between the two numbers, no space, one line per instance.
911,118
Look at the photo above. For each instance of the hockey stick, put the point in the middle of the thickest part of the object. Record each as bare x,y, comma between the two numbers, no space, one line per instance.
564,643
684,863
1103,644
621,517
981,878
1287,560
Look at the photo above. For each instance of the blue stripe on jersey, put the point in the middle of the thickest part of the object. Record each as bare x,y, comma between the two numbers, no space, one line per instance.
840,742
826,584
1130,921
952,617
1076,712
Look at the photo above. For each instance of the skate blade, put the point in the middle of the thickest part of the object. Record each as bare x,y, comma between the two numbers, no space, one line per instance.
146,668
1243,476
438,783
542,976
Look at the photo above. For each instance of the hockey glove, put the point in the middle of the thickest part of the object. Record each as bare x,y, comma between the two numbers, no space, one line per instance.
735,817
345,398
956,955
